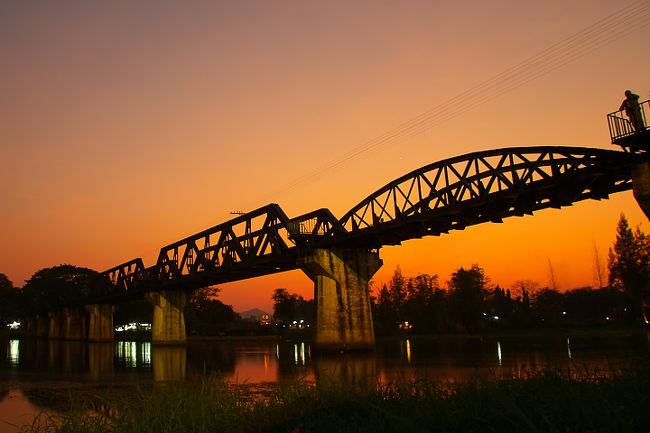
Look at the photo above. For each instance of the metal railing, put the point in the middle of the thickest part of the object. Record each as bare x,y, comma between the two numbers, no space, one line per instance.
621,125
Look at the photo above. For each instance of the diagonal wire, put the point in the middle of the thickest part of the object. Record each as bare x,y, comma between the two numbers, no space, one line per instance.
612,27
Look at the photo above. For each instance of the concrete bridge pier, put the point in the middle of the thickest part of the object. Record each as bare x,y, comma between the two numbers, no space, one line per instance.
56,323
74,324
35,326
168,325
343,316
29,326
42,326
100,322
641,186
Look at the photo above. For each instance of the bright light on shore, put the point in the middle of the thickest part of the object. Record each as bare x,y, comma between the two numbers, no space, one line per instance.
134,326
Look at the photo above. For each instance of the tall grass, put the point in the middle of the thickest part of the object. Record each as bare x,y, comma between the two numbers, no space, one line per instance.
548,401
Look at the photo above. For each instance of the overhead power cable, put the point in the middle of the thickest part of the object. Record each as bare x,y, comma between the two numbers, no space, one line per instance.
612,27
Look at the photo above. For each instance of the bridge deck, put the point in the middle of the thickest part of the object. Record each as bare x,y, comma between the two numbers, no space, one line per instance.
447,195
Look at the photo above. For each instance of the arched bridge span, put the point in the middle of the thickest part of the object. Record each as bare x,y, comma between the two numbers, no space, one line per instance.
485,186
446,195
341,256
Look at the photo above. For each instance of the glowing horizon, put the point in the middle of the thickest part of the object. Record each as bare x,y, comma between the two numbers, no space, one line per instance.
126,127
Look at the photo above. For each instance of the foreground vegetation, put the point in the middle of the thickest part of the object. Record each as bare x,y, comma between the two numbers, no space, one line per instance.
548,401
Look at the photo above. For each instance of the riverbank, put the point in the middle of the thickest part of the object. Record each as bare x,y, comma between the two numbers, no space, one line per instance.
567,400
571,331
591,331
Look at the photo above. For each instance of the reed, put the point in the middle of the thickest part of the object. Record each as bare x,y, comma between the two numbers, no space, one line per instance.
561,400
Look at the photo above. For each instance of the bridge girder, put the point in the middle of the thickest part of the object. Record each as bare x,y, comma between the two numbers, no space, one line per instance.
261,242
482,187
120,279
446,195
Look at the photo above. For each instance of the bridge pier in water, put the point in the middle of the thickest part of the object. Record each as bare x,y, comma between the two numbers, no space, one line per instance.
66,324
168,318
41,326
55,328
74,324
100,322
641,186
343,315
35,326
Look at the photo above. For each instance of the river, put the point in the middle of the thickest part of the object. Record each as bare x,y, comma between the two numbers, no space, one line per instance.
30,367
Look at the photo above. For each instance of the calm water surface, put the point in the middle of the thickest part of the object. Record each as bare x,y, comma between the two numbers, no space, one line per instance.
27,366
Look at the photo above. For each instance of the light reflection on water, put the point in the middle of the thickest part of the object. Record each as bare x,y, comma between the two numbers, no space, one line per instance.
30,363
133,354
457,358
499,359
14,352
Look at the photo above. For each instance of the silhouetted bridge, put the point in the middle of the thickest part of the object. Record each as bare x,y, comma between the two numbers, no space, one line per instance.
342,255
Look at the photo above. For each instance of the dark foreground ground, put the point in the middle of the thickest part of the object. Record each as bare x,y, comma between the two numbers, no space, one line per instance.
569,400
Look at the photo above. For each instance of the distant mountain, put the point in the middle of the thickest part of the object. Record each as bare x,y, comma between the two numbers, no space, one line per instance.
255,313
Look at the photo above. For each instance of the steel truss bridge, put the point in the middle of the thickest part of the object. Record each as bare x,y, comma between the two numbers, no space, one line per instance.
447,195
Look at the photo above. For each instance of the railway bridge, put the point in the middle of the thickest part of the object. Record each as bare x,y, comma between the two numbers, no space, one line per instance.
341,255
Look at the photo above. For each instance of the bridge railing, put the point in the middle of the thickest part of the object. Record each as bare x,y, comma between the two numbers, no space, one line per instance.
621,126
317,224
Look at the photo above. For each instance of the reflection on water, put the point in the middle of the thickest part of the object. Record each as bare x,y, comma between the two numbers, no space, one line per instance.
133,354
14,352
34,363
499,359
299,354
405,350
350,369
457,358
169,363
100,360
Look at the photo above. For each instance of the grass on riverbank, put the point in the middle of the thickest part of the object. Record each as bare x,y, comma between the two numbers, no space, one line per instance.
548,401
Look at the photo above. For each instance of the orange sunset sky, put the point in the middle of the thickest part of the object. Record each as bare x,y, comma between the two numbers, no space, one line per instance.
125,126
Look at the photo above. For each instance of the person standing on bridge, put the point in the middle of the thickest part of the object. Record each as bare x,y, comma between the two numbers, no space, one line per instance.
633,110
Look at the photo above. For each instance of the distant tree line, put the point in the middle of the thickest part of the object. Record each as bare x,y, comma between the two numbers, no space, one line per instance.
207,315
51,289
290,307
467,302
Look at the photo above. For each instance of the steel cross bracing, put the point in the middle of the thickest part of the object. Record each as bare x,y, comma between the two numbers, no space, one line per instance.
258,243
485,186
446,195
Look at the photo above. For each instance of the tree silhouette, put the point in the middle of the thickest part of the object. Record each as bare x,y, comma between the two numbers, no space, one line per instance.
548,305
468,290
288,307
629,265
8,300
386,313
57,287
205,314
422,307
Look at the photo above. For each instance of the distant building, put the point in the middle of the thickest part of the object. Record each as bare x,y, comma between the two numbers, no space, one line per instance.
257,315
